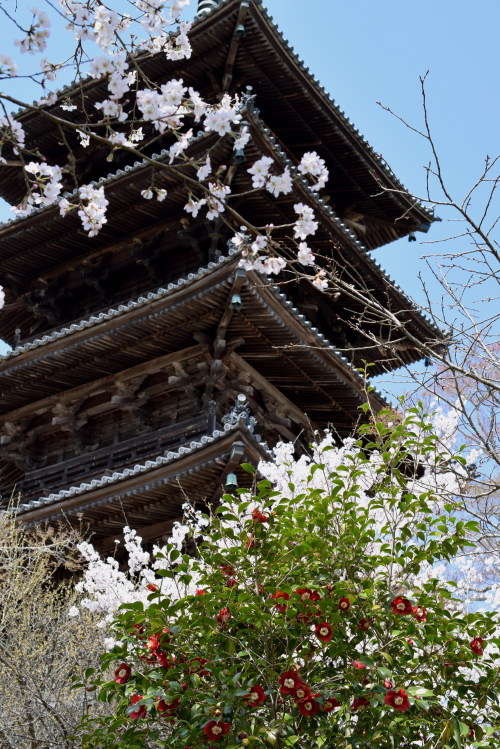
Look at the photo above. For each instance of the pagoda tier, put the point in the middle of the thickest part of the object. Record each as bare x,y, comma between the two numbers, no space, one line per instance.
146,363
174,363
294,105
55,274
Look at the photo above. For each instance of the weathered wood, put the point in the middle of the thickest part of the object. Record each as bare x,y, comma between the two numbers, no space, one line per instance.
167,474
267,387
227,76
99,386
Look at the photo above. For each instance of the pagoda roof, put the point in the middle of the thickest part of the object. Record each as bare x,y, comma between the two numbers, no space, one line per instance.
272,329
26,244
158,486
296,108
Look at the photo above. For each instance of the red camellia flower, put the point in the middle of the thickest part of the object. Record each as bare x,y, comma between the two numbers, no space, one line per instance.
153,643
398,700
162,659
401,606
256,697
227,570
215,729
476,645
200,592
258,517
344,604
196,667
251,542
168,707
224,616
388,684
141,712
330,704
307,594
309,706
289,681
324,632
153,588
281,606
359,702
420,614
301,692
364,625
122,673
231,582
471,733
358,664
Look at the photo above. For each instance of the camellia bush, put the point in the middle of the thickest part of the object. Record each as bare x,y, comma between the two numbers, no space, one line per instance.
313,617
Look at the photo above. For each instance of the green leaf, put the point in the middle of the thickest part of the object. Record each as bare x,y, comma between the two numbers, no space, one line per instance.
248,468
456,732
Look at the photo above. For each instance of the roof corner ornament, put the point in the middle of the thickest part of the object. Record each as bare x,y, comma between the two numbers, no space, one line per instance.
205,6
240,413
248,101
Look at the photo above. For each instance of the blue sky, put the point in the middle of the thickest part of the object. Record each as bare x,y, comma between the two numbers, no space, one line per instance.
364,51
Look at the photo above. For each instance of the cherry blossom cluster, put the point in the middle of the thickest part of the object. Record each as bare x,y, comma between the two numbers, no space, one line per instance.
45,188
93,210
11,131
275,184
314,166
8,67
37,34
250,251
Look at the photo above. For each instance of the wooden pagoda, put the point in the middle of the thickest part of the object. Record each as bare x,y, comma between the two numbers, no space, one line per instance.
146,365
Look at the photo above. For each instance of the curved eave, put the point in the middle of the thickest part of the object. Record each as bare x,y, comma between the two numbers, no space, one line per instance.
348,238
165,469
60,347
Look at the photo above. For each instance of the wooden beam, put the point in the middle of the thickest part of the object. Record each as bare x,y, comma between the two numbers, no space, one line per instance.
267,387
98,386
111,248
233,49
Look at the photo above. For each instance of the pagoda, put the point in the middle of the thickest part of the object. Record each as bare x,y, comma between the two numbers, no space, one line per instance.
147,365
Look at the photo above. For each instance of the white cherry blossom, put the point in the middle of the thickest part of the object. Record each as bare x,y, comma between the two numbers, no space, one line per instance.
7,66
205,170
280,184
315,166
193,206
304,254
306,224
